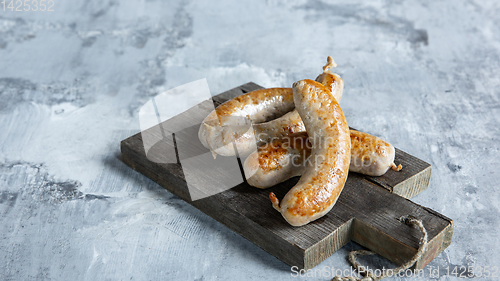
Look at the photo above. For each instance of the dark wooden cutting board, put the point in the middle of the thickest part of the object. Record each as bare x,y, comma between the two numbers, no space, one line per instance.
367,211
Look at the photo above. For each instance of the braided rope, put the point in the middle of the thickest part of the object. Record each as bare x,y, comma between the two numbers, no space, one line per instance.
372,277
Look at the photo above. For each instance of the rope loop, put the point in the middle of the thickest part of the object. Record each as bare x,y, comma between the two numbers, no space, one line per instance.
369,276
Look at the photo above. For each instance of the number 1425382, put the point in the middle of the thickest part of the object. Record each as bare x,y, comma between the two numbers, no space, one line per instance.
27,5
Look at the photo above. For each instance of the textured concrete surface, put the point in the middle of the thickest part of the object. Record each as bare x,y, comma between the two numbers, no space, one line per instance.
423,76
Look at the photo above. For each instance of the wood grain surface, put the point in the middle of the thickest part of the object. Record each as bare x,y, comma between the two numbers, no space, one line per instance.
367,212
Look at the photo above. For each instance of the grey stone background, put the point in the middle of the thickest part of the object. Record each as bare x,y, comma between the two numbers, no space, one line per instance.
424,76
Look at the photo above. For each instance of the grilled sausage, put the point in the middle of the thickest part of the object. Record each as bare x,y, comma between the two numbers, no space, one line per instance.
322,182
287,157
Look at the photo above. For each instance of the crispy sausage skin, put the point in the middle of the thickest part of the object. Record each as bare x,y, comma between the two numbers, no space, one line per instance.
278,160
287,157
322,182
257,117
371,155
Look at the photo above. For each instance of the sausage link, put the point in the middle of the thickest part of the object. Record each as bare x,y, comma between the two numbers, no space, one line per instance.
287,157
322,182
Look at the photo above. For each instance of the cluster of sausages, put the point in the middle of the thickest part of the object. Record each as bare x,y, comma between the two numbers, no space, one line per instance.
298,131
